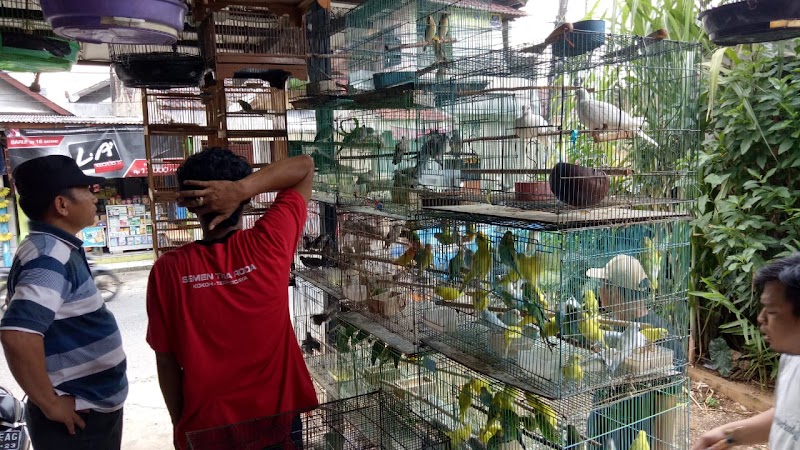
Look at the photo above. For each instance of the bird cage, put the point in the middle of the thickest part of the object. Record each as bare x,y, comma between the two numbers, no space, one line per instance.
475,410
561,313
374,420
27,42
317,258
159,66
177,111
256,110
597,123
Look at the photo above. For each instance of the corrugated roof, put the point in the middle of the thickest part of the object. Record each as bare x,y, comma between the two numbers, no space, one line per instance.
51,119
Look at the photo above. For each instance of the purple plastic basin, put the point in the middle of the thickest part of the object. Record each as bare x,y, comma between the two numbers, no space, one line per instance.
116,21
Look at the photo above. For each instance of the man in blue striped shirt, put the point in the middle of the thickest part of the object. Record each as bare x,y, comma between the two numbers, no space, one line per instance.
62,344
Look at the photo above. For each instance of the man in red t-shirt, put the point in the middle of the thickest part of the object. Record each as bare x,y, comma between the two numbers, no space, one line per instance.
218,309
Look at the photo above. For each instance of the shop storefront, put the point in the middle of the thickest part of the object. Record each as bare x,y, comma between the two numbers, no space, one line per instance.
116,153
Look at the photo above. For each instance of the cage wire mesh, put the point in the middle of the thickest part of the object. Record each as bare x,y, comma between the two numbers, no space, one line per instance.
592,121
375,420
27,42
252,30
184,107
479,411
318,258
530,308
256,108
377,134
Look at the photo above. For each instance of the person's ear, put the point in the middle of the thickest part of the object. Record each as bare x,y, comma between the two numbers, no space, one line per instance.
61,205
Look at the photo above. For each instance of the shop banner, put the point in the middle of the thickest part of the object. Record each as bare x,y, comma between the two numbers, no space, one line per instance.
110,152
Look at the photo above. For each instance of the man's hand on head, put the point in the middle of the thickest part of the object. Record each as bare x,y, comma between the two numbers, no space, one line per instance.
220,197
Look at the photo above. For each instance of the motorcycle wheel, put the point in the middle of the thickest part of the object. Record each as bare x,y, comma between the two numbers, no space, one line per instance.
107,283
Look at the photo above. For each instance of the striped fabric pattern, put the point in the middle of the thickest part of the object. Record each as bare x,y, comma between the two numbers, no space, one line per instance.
52,294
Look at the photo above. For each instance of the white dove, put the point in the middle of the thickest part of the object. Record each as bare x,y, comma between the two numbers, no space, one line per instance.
528,125
597,115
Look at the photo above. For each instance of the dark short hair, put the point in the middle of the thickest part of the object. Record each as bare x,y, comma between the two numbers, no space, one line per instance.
215,163
786,271
37,206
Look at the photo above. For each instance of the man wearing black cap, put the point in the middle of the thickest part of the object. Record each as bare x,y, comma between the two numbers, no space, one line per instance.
62,344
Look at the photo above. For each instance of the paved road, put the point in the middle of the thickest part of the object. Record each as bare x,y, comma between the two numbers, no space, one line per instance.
147,425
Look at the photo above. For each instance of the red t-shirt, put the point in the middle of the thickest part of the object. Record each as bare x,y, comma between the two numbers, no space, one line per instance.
223,310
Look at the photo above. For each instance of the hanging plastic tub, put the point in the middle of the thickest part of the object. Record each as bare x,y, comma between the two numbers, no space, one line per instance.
751,21
585,36
159,70
116,21
23,52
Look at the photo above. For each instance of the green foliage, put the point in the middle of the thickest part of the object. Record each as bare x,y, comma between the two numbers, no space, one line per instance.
749,212
721,356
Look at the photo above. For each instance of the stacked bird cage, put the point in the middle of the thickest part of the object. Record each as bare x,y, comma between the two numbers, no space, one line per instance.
591,121
373,420
160,66
563,312
477,411
378,94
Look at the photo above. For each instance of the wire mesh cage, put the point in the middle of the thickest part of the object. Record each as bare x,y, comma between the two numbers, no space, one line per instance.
175,108
256,107
478,411
375,420
591,121
160,66
561,313
27,42
253,30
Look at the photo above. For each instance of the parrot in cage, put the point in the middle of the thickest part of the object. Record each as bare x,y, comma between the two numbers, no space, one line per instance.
529,125
400,149
430,31
424,258
641,442
391,237
481,262
444,26
407,257
507,252
433,148
456,264
651,261
591,307
573,370
596,115
589,326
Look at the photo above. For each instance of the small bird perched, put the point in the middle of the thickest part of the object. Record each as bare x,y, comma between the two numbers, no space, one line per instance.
424,258
326,315
573,370
596,115
444,26
529,125
246,107
430,31
400,149
640,44
641,442
507,252
310,344
455,142
364,181
392,235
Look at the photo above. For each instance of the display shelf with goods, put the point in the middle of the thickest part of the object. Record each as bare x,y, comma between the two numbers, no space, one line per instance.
130,227
6,234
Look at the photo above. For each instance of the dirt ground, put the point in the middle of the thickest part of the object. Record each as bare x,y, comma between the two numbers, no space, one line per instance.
710,410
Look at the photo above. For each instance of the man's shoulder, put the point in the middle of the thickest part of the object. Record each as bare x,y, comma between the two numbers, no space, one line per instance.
42,245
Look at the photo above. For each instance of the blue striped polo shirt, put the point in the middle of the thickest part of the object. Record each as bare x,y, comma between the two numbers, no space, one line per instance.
53,294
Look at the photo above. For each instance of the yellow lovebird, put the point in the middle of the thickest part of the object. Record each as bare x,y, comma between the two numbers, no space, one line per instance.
447,293
654,334
590,305
530,266
542,408
406,258
641,442
573,370
489,431
482,261
459,435
590,329
480,300
550,329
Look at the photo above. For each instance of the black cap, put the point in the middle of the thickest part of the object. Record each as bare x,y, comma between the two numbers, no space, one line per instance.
49,175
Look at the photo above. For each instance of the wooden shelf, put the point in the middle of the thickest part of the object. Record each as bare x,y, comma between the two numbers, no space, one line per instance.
387,337
174,129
